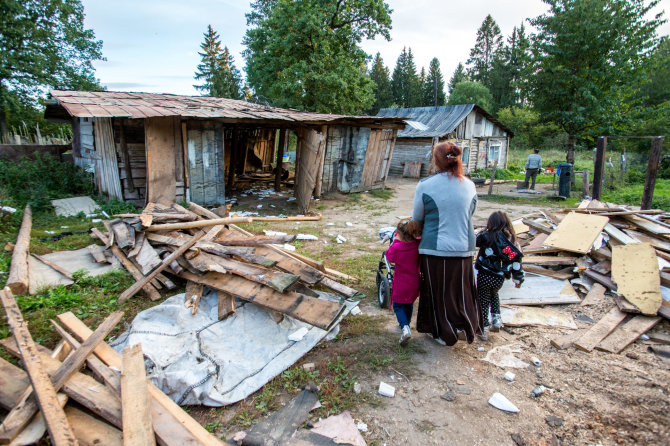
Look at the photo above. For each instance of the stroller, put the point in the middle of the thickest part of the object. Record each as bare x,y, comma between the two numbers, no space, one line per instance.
385,270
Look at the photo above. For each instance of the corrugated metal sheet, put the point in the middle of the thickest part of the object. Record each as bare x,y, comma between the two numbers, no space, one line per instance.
438,120
84,104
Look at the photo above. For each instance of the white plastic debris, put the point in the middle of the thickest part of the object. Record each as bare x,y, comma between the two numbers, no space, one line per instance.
105,214
290,199
273,233
306,237
91,215
644,337
330,224
8,209
539,390
536,361
357,387
349,224
260,206
386,389
96,220
288,247
362,426
50,232
298,334
509,376
356,311
499,401
64,227
340,239
481,349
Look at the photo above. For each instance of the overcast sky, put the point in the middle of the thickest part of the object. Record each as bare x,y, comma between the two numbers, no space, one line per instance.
152,45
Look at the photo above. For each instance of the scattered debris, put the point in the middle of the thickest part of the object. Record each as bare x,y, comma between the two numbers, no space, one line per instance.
340,239
356,311
449,395
298,335
537,391
535,361
542,317
499,401
386,390
503,356
341,428
509,376
71,207
554,421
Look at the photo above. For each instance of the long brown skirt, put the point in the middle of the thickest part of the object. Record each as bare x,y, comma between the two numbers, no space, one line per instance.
448,300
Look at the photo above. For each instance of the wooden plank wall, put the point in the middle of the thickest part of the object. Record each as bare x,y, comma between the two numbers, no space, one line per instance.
263,150
410,149
160,148
107,168
345,157
206,163
378,152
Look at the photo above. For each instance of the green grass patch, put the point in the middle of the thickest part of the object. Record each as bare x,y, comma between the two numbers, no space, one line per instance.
631,194
539,201
382,194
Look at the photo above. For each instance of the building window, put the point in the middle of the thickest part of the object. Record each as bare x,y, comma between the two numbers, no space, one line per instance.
465,157
494,153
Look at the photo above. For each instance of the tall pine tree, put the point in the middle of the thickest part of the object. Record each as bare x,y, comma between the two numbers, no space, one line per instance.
217,69
459,75
379,74
433,86
508,78
405,82
489,41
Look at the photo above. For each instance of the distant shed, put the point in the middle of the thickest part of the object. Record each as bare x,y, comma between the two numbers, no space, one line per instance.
481,136
145,147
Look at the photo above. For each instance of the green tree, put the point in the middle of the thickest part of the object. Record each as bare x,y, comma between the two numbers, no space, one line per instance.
433,86
305,54
508,78
43,44
379,74
657,90
529,130
405,82
489,41
459,75
217,69
471,92
589,61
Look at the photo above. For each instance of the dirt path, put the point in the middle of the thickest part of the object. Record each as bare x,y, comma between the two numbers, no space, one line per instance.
600,398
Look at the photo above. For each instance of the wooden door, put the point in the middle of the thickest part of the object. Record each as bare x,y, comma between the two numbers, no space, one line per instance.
378,157
311,145
161,184
206,173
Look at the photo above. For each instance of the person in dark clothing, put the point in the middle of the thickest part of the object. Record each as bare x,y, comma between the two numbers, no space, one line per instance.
499,258
533,166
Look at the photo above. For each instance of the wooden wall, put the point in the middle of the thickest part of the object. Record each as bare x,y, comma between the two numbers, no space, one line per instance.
411,149
344,158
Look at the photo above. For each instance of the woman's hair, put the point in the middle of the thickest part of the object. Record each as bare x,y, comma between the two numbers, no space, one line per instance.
447,158
500,221
409,229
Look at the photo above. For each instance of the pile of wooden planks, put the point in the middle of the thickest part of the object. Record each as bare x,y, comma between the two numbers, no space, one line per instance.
610,249
116,404
205,250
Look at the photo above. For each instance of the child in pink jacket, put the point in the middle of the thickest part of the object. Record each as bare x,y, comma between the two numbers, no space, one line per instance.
404,252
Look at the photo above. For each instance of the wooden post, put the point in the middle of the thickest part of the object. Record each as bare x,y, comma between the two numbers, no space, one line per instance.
283,137
493,176
137,427
652,168
585,183
598,166
233,160
126,155
18,270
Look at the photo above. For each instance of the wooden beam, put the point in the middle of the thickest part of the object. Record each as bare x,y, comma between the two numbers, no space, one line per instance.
598,167
20,416
198,224
60,431
192,296
226,304
283,141
90,431
493,176
549,260
97,253
18,270
137,429
627,333
147,216
172,425
126,156
130,292
537,226
652,169
600,330
257,240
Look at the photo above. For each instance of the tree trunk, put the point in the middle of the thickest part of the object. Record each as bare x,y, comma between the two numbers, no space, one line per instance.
4,128
570,156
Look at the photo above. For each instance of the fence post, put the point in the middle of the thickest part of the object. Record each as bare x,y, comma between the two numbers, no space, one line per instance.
598,165
652,168
585,183
493,176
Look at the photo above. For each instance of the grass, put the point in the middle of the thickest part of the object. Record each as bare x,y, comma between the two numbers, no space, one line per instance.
632,194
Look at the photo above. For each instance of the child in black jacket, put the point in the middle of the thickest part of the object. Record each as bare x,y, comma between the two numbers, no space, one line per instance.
499,258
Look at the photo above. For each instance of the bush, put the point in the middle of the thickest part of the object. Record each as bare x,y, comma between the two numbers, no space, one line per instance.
40,180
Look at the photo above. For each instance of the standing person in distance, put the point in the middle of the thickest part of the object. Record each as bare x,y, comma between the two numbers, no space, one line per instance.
499,258
533,166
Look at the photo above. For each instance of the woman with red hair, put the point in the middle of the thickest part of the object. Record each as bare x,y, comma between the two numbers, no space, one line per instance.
444,203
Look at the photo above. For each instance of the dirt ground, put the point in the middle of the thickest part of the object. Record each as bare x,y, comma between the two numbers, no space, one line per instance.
600,398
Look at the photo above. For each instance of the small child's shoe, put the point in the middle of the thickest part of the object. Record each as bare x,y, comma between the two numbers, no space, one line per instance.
406,335
496,322
484,336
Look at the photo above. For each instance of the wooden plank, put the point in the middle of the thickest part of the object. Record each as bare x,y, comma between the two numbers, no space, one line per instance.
635,270
124,235
544,229
536,243
59,429
603,267
54,266
548,272
600,330
147,257
618,235
82,388
277,280
13,382
18,271
226,305
20,416
198,224
595,295
549,260
160,152
172,425
602,279
653,241
257,240
577,232
647,225
97,253
310,146
148,289
92,432
35,430
147,217
133,289
566,341
627,333
137,429
660,338
192,295
317,312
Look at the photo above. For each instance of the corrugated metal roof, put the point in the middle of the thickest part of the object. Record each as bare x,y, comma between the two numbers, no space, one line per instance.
439,120
89,104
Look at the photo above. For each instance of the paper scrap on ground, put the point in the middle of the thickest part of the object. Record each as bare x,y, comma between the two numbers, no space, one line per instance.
635,271
341,428
503,356
499,401
70,207
541,317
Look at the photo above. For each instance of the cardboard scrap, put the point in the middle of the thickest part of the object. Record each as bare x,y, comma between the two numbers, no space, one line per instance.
577,232
541,317
635,270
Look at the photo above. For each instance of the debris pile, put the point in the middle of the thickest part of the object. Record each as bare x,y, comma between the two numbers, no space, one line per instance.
116,405
597,250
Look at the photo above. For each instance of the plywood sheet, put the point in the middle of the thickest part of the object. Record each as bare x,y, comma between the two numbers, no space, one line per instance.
161,182
577,232
538,290
541,317
635,271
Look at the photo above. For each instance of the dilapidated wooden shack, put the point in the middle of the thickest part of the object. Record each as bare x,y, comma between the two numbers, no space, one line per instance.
482,137
144,147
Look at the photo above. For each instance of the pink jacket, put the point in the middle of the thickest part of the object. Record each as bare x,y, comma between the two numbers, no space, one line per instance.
405,255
